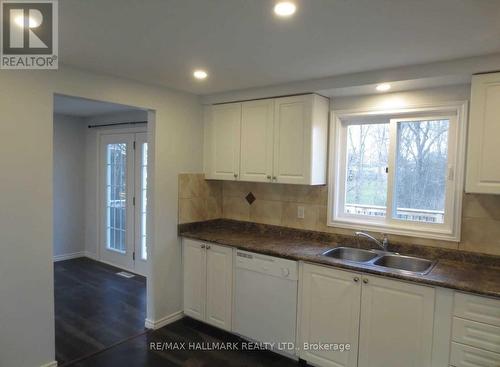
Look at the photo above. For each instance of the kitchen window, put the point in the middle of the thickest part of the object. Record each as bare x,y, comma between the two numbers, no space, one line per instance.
398,172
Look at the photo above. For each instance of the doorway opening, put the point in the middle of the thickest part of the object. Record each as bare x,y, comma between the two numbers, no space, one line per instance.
100,224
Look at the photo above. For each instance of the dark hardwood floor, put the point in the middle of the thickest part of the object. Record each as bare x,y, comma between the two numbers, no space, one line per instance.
94,308
136,352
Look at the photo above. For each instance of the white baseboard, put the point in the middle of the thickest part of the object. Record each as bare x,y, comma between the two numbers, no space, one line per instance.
50,364
91,255
73,255
156,324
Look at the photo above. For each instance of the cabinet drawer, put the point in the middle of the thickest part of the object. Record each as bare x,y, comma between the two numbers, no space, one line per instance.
465,356
476,334
482,309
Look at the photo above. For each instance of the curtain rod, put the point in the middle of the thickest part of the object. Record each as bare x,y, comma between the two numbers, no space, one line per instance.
118,124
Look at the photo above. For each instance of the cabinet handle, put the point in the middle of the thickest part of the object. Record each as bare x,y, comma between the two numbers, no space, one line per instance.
268,177
208,247
235,175
274,178
203,246
356,279
365,281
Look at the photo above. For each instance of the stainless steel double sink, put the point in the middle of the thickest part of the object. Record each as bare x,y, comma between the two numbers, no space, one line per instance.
387,260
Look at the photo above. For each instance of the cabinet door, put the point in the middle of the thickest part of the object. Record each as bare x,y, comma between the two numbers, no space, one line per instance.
466,356
483,150
476,308
194,270
219,286
224,141
396,324
257,118
292,139
330,306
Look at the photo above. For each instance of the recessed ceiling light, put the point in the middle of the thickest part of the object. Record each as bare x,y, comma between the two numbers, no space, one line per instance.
384,87
285,8
200,74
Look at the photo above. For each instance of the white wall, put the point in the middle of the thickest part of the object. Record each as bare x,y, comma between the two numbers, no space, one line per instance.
26,169
92,167
69,185
444,72
414,98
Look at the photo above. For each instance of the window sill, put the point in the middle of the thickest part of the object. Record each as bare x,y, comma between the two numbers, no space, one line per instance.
437,234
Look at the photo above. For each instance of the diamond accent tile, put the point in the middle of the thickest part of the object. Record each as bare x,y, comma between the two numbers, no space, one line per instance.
250,198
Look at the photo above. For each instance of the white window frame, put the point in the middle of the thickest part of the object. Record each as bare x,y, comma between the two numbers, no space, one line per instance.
451,228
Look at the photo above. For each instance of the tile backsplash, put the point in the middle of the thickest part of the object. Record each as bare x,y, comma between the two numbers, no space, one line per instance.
278,204
199,199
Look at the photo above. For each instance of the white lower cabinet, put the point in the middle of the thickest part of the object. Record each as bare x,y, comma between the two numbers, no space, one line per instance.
194,269
392,320
466,356
475,331
208,274
329,314
397,321
219,286
348,319
477,308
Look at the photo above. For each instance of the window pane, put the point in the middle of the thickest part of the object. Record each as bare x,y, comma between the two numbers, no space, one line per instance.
366,177
421,165
116,163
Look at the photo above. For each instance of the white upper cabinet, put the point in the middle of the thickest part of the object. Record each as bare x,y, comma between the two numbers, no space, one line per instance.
300,139
223,133
257,119
281,140
483,150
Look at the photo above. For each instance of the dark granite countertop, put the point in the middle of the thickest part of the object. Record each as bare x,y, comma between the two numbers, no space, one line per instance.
464,271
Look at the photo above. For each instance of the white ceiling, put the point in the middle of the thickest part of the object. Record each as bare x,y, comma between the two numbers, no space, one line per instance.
81,107
243,45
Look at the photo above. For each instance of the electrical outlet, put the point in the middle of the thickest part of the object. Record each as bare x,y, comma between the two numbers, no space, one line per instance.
300,212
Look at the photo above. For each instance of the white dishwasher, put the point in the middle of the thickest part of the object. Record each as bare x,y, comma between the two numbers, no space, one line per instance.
265,298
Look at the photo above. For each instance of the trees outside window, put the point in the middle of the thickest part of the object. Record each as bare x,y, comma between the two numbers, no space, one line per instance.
397,174
366,183
421,167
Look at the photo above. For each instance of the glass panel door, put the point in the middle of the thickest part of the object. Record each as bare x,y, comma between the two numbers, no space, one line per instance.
116,197
124,160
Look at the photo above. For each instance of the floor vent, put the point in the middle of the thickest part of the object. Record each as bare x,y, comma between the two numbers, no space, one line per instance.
125,274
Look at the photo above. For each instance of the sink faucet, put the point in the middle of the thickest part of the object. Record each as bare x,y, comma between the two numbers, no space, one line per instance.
384,244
